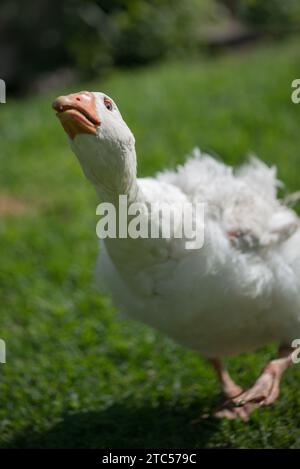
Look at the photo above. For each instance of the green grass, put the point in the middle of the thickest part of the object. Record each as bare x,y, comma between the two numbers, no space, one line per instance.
76,376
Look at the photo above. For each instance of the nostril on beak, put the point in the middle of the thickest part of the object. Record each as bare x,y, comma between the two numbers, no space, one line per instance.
83,103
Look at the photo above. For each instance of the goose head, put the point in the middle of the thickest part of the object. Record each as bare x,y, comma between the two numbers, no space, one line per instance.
100,138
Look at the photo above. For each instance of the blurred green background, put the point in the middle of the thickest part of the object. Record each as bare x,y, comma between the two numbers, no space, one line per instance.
216,74
48,41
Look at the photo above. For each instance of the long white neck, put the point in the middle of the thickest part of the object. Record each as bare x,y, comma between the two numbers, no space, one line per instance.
109,166
112,170
120,180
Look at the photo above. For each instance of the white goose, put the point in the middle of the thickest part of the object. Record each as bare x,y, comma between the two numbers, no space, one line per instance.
240,291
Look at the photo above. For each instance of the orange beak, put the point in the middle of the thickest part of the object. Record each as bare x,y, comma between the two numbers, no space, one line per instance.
77,113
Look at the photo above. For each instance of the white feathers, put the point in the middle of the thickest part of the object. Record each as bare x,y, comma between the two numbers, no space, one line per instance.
244,202
238,292
234,294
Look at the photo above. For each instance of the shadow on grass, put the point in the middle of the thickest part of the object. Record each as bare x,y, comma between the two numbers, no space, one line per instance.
121,426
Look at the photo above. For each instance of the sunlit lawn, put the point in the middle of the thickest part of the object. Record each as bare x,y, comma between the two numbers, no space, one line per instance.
76,375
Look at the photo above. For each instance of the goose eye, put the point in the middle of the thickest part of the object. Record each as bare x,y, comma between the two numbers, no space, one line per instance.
108,104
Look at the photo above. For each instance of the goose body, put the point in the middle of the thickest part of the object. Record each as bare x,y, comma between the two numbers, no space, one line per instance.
239,291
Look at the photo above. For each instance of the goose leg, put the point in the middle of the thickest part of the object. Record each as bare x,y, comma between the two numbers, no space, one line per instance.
265,390
230,390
